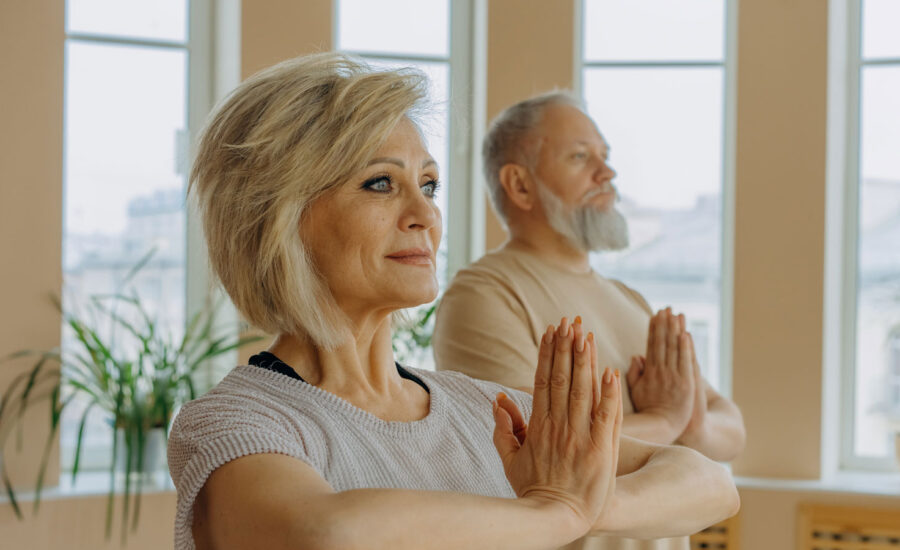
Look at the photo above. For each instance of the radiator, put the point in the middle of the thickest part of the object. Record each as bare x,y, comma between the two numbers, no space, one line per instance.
721,536
823,527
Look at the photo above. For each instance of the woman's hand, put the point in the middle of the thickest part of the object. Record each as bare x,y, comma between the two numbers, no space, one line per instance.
568,453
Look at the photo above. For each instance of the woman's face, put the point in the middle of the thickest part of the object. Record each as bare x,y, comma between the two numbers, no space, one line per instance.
374,237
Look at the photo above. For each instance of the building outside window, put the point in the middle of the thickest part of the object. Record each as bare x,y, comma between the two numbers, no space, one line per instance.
127,103
654,79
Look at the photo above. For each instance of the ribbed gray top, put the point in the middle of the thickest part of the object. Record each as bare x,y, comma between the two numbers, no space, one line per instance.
254,410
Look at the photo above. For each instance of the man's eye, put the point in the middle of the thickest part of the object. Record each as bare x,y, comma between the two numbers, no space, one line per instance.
430,189
381,184
579,156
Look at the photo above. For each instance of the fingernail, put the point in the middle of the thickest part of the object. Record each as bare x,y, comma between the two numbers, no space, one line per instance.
501,395
590,337
617,373
578,319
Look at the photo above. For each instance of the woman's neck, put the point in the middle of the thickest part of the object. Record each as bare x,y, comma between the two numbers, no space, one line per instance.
361,368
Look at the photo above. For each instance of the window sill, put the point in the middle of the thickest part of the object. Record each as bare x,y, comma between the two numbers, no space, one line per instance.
89,484
863,483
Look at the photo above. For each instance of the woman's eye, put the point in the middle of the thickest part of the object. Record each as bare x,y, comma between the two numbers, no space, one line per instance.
381,184
430,188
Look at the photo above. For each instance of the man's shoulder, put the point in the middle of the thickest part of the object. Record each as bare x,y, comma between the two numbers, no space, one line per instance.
496,269
631,294
494,262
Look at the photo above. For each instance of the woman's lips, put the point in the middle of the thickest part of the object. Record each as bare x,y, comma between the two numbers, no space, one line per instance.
412,257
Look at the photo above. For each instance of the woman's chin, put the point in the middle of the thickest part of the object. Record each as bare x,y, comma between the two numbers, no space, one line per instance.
419,298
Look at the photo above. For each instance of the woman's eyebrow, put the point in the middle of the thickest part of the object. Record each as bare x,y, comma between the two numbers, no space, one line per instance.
387,160
398,162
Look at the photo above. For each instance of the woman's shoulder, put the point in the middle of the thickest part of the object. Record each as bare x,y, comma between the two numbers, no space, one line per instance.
241,415
248,402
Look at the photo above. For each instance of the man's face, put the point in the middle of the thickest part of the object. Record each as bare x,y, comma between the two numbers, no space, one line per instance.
575,181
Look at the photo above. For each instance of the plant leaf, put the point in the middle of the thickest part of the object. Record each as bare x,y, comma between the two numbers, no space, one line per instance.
79,440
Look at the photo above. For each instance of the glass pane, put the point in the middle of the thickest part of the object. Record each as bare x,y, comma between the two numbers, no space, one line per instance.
664,127
404,27
877,411
658,30
142,19
881,19
125,115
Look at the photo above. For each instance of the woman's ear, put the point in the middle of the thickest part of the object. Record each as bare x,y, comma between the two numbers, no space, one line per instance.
519,186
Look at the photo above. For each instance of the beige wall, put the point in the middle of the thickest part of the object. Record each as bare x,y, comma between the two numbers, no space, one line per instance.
31,91
768,518
31,54
78,523
275,30
779,234
529,50
779,224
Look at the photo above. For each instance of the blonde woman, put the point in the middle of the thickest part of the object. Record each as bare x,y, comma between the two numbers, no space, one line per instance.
317,198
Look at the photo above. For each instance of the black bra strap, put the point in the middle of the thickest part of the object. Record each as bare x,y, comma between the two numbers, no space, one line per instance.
269,361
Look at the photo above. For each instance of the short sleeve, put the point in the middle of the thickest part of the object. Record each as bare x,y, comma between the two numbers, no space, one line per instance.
483,330
212,431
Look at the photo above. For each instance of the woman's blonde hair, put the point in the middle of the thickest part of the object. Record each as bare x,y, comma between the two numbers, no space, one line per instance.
281,139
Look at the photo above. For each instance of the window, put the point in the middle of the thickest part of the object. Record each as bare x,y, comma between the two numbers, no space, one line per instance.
127,102
653,80
872,329
893,385
432,36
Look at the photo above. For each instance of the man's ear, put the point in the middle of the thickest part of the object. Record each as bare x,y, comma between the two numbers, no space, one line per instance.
519,186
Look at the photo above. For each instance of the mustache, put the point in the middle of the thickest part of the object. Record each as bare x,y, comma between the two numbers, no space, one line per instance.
602,191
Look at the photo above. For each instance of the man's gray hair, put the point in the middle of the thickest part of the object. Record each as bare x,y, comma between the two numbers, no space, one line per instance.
507,141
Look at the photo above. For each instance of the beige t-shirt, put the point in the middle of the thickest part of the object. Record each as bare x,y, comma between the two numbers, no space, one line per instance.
491,318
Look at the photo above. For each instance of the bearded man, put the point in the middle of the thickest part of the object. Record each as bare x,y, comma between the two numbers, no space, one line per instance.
551,184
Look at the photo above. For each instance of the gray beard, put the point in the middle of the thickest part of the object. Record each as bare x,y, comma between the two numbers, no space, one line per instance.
585,227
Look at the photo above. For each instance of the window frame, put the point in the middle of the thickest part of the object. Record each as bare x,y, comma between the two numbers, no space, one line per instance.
728,65
851,63
201,88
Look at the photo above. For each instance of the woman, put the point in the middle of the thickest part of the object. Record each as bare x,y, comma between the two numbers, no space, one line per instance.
317,197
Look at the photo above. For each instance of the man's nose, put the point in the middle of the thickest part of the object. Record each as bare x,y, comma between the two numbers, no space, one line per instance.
606,172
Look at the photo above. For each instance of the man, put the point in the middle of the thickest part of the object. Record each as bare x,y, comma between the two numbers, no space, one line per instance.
550,182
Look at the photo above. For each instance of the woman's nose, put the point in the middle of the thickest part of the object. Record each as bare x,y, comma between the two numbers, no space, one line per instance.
419,213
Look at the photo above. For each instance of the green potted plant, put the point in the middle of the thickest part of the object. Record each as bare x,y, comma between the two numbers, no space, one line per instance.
411,336
129,369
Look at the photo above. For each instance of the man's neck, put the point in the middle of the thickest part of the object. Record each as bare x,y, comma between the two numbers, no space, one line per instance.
551,247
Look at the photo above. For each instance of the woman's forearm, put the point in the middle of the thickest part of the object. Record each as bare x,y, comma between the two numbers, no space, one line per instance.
400,519
676,492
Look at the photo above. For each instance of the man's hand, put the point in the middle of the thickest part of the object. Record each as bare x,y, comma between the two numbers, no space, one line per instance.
695,431
663,384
